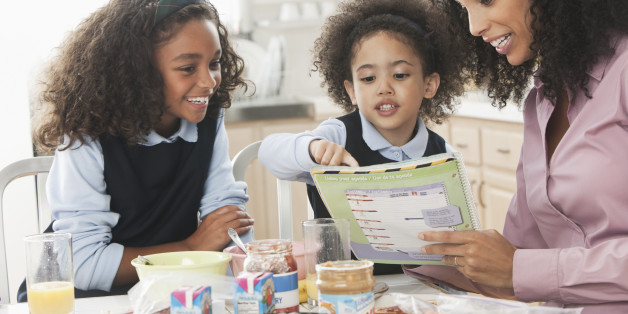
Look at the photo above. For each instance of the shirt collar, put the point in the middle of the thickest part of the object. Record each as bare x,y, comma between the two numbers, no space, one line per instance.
415,148
187,132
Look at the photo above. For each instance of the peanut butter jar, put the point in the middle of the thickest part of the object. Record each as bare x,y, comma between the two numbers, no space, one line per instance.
345,287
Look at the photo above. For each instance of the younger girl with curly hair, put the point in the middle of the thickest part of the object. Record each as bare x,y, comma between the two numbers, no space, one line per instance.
565,239
136,96
391,66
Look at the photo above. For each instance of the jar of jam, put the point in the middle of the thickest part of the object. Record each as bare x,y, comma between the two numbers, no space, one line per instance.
345,287
275,255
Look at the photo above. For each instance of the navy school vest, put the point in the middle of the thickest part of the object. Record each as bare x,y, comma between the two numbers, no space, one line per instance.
157,189
358,148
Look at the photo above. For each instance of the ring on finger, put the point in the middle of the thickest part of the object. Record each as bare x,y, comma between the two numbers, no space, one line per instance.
456,260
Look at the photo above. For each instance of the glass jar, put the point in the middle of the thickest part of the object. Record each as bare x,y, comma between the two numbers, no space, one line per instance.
348,284
275,255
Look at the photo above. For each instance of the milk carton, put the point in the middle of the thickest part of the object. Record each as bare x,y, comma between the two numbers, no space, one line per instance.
254,293
191,300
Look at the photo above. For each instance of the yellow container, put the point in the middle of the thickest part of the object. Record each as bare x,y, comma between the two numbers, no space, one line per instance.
187,261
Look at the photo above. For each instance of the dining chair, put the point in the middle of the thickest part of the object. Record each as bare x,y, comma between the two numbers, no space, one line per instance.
33,166
240,163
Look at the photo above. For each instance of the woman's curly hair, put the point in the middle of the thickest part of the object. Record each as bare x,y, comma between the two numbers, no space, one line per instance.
104,82
419,26
572,35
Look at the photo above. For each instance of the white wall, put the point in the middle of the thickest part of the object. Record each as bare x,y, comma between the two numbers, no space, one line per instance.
30,29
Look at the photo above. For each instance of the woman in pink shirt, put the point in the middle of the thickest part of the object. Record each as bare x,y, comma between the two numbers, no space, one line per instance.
565,240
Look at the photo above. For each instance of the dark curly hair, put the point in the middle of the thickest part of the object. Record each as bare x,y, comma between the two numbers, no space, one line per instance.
104,82
572,35
440,51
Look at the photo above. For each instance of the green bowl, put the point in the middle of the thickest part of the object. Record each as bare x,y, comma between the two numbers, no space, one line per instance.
187,261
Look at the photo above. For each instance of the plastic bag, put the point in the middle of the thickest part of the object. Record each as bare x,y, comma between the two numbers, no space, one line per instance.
152,293
466,304
412,304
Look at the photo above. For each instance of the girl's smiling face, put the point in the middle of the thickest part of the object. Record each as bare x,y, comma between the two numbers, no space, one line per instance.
505,24
190,66
388,85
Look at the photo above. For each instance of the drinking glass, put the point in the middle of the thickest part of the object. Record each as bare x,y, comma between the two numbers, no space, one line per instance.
49,273
324,239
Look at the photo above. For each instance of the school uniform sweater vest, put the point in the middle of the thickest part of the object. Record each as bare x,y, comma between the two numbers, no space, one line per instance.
157,189
358,148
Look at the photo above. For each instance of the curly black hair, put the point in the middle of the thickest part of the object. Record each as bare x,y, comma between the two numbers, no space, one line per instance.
103,81
420,27
572,35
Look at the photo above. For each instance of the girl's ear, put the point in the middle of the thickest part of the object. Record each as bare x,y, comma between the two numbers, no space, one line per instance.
350,91
432,82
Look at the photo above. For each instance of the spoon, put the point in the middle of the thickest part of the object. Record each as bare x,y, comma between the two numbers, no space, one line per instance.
144,260
236,238
379,289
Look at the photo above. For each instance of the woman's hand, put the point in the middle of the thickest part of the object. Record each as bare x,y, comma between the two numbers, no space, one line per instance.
211,234
485,257
331,154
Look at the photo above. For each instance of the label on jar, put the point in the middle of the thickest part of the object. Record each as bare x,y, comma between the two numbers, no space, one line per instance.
363,303
286,292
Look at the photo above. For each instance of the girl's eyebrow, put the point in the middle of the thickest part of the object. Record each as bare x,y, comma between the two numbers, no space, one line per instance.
401,61
187,56
194,56
392,64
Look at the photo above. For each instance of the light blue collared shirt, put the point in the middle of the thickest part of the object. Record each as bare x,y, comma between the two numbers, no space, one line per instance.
287,155
79,202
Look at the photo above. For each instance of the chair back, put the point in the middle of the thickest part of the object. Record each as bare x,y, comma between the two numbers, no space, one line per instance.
26,167
240,163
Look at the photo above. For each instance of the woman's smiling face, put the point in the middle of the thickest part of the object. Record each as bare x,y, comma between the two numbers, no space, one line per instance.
504,24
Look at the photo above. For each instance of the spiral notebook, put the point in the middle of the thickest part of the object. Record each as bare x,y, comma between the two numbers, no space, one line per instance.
389,204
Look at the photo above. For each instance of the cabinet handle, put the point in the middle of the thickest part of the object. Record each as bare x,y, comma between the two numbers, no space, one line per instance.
503,150
462,145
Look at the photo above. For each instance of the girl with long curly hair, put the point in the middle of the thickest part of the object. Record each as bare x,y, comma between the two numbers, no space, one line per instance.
391,65
136,98
565,241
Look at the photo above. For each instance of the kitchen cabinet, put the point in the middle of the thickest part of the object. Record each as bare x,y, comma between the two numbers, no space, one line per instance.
490,149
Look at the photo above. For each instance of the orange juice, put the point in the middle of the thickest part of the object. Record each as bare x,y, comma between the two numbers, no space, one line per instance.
310,284
54,297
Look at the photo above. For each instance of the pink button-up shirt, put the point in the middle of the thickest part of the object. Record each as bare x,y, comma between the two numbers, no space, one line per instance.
569,216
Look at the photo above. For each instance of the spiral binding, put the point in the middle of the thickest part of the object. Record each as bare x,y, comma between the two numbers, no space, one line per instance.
468,192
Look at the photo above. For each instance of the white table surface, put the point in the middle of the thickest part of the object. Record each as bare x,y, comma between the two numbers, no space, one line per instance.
121,304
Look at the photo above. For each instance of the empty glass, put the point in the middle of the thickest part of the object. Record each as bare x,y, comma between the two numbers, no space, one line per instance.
324,239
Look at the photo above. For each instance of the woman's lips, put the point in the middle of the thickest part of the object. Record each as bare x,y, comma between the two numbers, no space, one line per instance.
502,44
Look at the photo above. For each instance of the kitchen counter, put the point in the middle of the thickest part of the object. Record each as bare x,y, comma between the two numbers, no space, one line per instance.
270,109
475,104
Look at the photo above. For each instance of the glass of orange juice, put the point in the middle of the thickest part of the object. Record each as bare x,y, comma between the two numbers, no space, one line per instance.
49,273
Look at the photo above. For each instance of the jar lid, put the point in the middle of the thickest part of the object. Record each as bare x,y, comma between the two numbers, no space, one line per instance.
269,246
347,265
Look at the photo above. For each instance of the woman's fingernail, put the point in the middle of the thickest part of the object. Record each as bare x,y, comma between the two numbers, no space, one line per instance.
423,250
421,236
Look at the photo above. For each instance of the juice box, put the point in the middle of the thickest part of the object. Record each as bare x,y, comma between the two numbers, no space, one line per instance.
254,293
191,300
